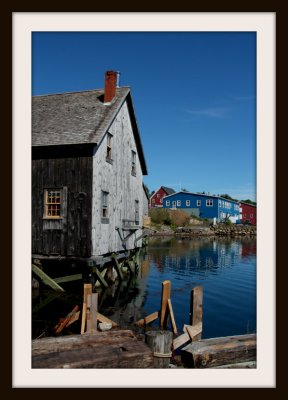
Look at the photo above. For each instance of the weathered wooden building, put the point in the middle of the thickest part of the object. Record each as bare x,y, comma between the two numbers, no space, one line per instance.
87,169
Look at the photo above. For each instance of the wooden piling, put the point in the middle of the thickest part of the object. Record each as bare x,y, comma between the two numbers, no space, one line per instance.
161,344
196,308
166,292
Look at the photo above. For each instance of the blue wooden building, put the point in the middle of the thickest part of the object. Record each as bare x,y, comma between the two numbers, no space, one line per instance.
204,206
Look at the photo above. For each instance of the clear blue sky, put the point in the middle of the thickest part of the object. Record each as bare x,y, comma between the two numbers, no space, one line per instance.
194,95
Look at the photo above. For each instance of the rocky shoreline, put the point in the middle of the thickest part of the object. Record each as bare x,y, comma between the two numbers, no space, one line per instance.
217,230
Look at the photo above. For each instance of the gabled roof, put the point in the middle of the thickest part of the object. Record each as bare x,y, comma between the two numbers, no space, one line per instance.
79,118
168,190
202,195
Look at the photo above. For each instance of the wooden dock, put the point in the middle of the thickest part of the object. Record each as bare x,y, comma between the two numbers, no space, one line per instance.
116,348
111,349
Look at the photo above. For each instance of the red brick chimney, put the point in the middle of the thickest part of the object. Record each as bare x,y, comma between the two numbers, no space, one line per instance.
111,78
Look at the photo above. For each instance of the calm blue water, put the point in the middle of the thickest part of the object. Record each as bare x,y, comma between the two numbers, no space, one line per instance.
225,268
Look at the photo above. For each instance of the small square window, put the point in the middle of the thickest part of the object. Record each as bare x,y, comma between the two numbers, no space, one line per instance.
52,203
198,203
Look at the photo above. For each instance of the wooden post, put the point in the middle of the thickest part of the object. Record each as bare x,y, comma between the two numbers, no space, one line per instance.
166,291
161,343
196,308
87,290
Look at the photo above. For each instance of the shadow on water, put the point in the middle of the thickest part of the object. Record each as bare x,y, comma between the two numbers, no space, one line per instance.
226,268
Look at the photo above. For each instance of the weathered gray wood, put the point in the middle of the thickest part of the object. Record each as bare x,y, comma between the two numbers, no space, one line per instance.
248,364
117,267
161,344
46,279
113,349
209,353
196,308
124,189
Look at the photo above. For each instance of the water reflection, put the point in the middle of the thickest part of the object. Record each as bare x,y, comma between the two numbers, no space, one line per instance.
225,268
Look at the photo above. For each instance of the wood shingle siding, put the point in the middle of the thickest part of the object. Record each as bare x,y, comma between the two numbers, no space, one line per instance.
72,134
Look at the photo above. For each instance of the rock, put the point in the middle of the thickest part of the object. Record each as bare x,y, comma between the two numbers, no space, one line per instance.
104,326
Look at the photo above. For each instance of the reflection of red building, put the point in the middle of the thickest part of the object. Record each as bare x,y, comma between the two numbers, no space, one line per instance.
156,200
248,213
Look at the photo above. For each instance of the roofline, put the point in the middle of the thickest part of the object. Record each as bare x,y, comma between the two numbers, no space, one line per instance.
248,204
201,194
76,91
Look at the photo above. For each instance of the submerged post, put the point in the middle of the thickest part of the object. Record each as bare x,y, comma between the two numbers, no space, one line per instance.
196,308
166,292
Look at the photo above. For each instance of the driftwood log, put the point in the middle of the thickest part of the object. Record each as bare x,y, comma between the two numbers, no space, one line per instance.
112,349
215,352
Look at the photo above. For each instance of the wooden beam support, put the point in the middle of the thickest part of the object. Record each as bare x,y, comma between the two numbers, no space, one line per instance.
196,308
166,292
101,278
148,319
46,279
117,266
172,317
68,278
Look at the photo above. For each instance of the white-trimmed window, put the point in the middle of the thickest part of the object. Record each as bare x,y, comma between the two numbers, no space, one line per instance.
198,203
178,203
167,203
161,201
251,215
209,203
174,204
187,203
52,203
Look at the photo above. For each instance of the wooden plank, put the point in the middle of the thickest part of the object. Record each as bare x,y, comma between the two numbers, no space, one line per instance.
146,320
87,290
74,318
118,349
64,343
102,318
46,279
193,331
68,278
210,353
196,308
248,364
166,291
59,327
83,321
94,309
181,340
172,317
89,314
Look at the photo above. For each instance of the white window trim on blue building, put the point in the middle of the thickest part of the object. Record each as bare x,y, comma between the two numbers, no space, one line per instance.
198,203
187,203
209,203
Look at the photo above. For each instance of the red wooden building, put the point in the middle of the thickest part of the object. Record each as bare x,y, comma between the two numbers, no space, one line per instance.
156,200
248,213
